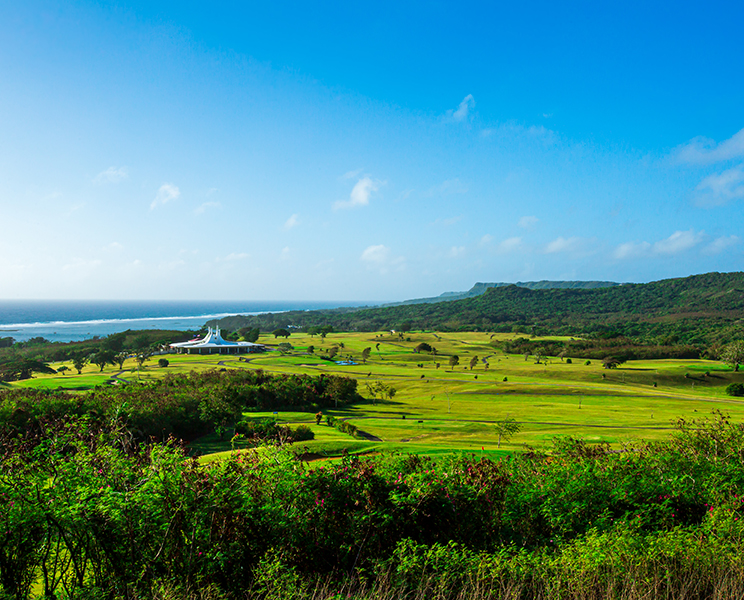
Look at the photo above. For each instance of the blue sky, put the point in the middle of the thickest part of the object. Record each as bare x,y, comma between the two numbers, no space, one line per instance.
365,151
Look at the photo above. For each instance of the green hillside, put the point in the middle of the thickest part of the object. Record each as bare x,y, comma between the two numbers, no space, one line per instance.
700,309
480,288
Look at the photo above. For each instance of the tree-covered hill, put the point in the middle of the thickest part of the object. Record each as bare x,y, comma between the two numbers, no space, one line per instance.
701,309
480,288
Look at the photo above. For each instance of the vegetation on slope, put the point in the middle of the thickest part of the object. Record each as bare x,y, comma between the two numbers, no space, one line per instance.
86,513
702,310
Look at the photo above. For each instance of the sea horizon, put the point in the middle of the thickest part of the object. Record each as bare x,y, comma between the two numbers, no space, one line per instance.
78,320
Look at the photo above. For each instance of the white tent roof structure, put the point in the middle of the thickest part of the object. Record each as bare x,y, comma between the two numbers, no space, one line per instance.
213,343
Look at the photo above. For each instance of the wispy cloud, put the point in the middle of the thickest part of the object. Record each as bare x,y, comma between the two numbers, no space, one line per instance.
351,174
516,130
721,244
463,109
561,244
721,188
361,193
166,193
111,175
285,254
485,240
528,222
509,245
293,221
202,208
630,250
376,254
379,257
456,251
677,243
702,150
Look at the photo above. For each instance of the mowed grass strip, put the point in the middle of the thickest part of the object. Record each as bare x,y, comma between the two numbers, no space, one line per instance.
459,406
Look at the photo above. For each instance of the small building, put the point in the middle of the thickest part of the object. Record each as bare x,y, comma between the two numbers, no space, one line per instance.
213,343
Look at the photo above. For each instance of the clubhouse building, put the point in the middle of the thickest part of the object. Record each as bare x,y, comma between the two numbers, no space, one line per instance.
214,344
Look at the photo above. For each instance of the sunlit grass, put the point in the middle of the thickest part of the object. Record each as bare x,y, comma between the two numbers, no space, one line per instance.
439,409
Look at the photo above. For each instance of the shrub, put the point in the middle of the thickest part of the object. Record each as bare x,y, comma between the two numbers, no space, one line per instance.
163,362
303,433
735,389
569,361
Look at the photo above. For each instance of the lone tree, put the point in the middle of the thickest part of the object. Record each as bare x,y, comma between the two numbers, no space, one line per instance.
79,363
285,347
454,360
378,388
473,362
18,369
612,362
250,334
142,357
506,428
733,354
365,354
103,358
422,347
281,332
120,358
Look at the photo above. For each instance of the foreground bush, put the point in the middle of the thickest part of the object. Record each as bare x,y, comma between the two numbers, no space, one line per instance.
86,512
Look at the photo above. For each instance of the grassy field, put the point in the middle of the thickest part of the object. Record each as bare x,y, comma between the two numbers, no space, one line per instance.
438,408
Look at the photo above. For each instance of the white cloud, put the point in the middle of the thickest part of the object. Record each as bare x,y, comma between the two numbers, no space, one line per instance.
514,130
463,109
351,174
111,175
376,254
166,193
202,208
562,244
678,242
379,258
721,188
116,246
285,254
702,150
632,250
360,194
510,245
721,244
528,222
456,251
486,240
293,221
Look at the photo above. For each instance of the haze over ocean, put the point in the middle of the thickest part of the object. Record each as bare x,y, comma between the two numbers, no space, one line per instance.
75,320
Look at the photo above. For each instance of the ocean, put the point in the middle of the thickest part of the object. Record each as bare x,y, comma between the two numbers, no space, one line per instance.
77,320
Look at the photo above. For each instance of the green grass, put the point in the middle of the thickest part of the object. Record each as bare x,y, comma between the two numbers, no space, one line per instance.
458,407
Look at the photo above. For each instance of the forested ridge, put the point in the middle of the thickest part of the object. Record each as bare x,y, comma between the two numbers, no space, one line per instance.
700,309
